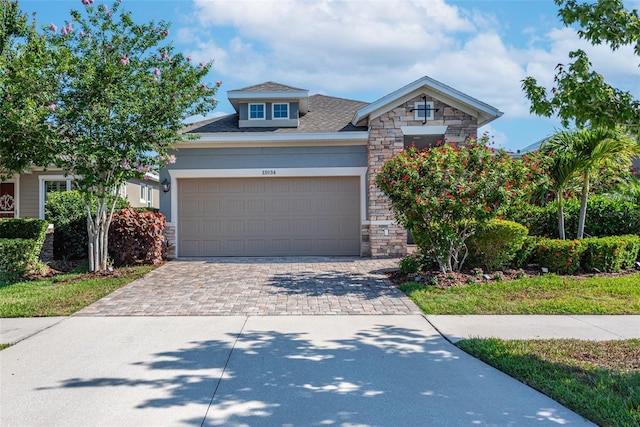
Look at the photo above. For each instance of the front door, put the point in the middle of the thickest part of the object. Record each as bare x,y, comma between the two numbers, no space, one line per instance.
7,200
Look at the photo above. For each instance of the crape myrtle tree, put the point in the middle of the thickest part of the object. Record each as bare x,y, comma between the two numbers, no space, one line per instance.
122,98
442,193
26,87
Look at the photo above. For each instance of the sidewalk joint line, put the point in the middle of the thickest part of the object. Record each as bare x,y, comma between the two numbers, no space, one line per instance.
224,369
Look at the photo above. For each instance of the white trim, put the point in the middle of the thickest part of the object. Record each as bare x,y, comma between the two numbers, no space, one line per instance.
484,112
423,130
42,191
264,111
381,222
175,174
273,108
259,137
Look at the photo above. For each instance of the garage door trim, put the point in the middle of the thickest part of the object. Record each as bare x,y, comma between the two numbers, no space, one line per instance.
265,173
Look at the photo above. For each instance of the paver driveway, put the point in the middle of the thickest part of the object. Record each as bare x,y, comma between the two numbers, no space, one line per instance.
259,286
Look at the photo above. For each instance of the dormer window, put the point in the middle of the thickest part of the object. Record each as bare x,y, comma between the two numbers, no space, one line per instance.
280,111
256,112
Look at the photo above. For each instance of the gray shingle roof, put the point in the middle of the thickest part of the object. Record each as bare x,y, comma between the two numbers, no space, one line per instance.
269,87
326,114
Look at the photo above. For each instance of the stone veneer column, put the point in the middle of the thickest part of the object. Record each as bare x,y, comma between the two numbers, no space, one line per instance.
385,237
170,239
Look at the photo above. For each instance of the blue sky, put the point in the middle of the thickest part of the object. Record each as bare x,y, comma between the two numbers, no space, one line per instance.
365,49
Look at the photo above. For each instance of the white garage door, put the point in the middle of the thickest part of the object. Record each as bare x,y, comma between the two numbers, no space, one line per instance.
269,216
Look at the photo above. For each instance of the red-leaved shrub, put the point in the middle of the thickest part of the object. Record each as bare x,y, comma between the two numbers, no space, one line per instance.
136,237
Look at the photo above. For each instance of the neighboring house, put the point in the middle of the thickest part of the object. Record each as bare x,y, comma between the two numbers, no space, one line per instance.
293,174
25,195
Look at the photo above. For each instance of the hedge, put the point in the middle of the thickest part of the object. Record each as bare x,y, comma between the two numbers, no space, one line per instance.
495,244
610,254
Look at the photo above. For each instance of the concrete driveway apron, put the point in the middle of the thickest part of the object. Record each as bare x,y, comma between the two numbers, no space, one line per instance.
260,286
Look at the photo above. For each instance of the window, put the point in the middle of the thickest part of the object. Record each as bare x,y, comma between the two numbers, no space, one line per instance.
52,184
256,112
280,111
143,193
146,194
420,113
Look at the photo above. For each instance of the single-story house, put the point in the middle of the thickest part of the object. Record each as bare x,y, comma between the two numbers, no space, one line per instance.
293,174
25,195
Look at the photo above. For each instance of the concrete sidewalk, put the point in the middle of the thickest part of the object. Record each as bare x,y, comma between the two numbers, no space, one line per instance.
259,370
596,327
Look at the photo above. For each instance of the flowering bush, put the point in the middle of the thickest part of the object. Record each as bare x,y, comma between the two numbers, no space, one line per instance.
559,256
443,192
611,254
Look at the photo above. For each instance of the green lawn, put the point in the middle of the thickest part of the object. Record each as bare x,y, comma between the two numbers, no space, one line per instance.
598,380
63,294
549,294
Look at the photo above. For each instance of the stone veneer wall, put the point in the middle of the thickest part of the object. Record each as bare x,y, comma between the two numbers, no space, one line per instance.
385,237
170,239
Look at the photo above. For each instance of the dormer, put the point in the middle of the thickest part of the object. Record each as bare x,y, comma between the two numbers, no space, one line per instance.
269,105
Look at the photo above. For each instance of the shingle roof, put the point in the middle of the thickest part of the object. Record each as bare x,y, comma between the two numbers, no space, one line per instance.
269,87
326,114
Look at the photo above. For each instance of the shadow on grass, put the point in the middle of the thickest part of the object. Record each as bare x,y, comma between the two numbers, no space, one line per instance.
605,396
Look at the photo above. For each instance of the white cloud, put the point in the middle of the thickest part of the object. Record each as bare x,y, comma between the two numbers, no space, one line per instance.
365,49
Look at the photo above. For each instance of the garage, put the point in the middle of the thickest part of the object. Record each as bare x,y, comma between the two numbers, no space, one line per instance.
269,216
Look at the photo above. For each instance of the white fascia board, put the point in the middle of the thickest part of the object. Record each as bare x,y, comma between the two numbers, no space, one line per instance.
389,101
423,130
255,137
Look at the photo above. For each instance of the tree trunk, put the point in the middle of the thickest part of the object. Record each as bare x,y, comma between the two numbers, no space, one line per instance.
583,205
98,231
560,216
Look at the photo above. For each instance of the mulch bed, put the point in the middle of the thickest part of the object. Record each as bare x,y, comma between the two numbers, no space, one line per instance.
447,280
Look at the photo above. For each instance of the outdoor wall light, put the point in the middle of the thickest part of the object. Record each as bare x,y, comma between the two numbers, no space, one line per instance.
166,185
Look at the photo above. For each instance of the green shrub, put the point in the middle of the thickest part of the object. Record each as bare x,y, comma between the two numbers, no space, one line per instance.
21,231
605,217
610,254
559,256
67,210
496,243
410,264
136,237
524,256
23,228
16,256
71,240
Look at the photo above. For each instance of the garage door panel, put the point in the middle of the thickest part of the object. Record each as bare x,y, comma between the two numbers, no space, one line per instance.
210,206
190,247
211,246
212,226
256,206
269,216
258,226
190,227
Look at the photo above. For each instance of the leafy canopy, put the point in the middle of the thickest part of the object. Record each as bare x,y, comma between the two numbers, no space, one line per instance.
580,95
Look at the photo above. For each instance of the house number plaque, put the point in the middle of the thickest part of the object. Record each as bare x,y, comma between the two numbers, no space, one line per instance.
268,172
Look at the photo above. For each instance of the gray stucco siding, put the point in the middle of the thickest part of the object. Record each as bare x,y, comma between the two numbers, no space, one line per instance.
261,158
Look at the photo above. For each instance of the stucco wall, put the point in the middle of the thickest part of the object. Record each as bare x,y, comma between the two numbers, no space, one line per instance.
261,158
